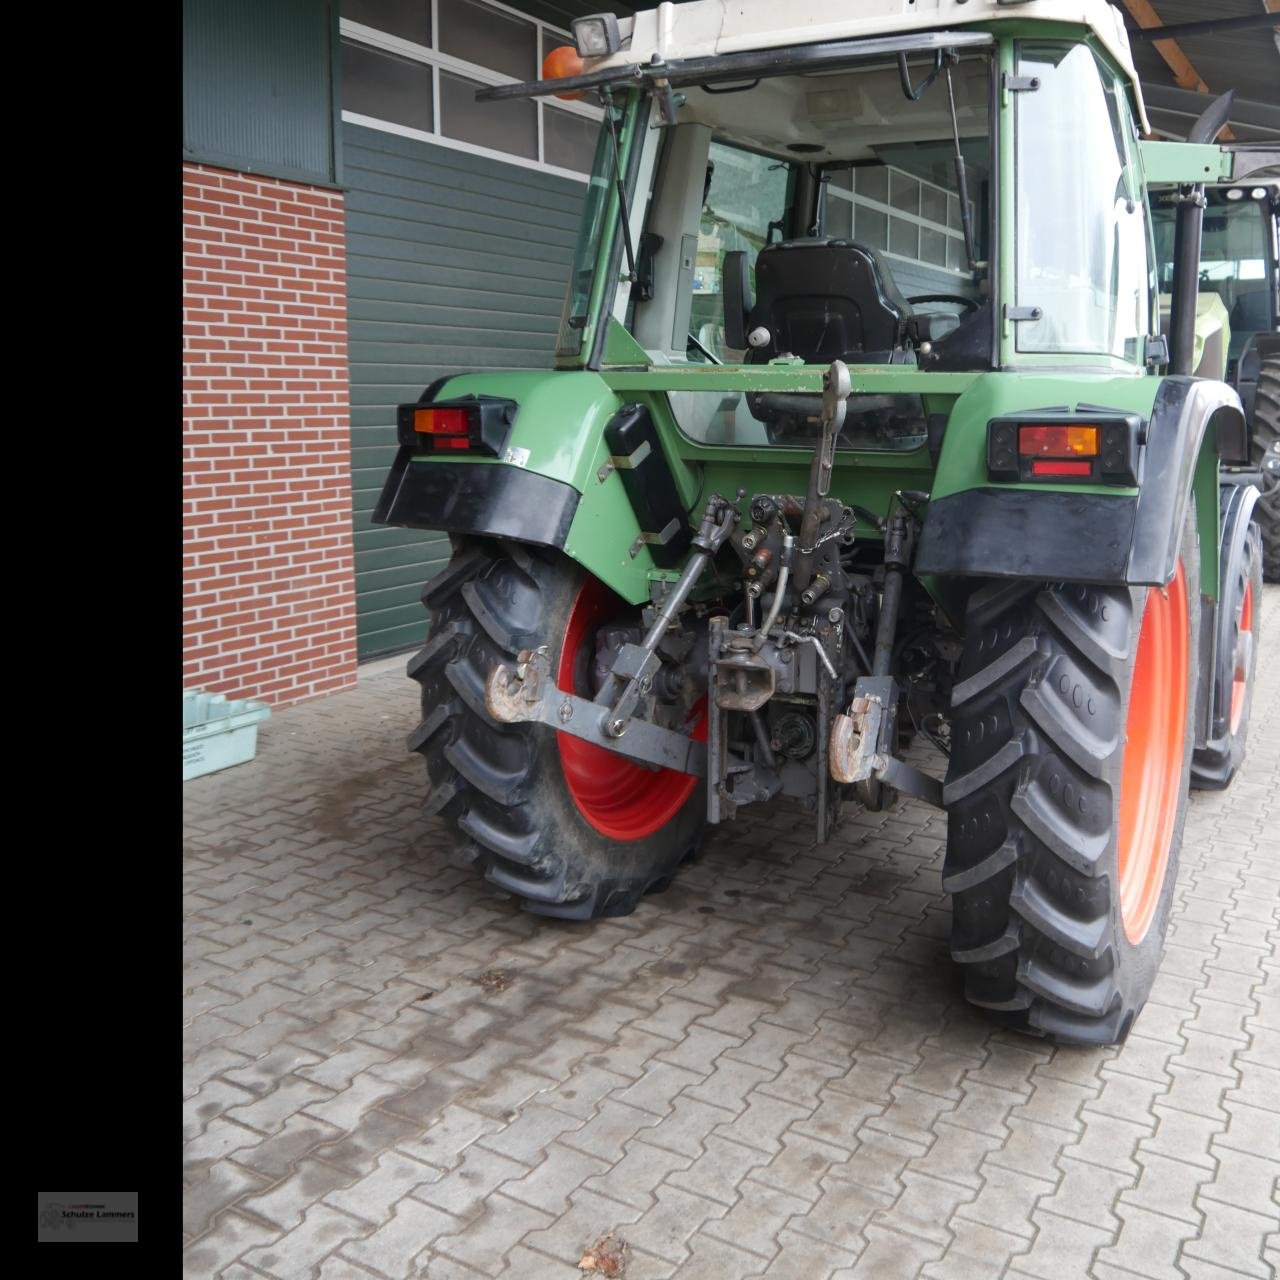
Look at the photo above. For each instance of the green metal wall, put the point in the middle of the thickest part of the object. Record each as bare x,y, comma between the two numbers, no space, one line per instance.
455,262
258,87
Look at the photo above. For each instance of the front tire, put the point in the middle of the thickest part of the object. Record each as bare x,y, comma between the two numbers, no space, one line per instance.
1072,735
573,830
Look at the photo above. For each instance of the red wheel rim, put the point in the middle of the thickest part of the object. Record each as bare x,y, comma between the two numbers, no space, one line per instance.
620,799
1240,679
1155,737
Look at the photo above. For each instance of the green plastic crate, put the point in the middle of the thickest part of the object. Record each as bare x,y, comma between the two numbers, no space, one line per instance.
216,733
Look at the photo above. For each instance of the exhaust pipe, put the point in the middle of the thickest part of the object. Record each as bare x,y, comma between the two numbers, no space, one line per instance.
1187,233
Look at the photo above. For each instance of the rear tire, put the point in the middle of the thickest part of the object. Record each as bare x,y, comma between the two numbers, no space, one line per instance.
504,788
1049,934
1215,765
1266,455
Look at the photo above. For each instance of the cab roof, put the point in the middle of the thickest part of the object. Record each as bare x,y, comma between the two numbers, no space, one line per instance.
707,28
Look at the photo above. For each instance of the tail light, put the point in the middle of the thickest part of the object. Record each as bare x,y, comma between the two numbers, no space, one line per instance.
1088,448
466,425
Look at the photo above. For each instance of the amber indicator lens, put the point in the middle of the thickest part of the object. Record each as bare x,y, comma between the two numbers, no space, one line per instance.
1058,442
562,62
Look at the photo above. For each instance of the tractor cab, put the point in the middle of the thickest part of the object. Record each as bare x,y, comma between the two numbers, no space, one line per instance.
1239,257
774,232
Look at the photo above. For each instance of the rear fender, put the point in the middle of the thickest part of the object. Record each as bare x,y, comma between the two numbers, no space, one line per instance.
1092,534
551,484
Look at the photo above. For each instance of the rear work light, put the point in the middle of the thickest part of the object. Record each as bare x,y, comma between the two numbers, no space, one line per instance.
468,424
1059,445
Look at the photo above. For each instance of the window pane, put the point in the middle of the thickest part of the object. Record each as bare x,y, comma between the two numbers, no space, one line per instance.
842,178
568,140
386,86
933,247
904,192
1080,242
953,213
408,19
902,238
933,205
839,221
871,227
577,294
955,254
872,182
504,126
489,38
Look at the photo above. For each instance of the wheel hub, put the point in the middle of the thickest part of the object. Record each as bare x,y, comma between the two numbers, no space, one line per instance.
619,798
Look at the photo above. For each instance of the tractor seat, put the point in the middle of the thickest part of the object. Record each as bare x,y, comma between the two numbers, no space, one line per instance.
827,300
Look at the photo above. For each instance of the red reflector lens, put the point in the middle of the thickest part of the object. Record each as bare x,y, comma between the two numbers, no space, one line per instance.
450,442
1042,467
1058,442
440,422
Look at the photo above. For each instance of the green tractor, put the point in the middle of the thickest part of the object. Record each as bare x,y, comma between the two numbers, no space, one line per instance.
862,426
1239,305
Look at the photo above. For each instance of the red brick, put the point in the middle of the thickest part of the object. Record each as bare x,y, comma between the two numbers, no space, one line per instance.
269,592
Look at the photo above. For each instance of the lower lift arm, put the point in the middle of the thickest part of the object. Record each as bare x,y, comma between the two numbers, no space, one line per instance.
527,693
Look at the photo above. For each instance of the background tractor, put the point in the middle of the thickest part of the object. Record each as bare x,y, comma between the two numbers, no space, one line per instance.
1240,293
862,425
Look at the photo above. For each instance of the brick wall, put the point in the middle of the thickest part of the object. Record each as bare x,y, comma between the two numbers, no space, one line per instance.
269,592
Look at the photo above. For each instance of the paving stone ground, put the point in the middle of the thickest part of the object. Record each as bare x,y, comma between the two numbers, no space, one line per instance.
766,1071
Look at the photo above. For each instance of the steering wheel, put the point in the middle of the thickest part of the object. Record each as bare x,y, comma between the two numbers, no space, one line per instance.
967,303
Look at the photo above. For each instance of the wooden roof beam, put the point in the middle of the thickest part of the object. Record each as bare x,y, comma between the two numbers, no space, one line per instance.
1184,73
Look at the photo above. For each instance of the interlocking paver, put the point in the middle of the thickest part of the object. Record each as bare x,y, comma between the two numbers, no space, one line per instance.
561,1173
225,1184
392,1248
374,1196
666,1227
1063,1247
755,1221
221,1138
218,1097
232,1236
891,1256
486,1240
784,1085
1233,1237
